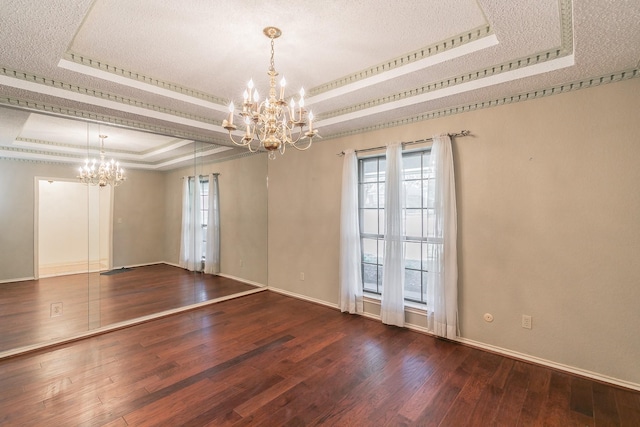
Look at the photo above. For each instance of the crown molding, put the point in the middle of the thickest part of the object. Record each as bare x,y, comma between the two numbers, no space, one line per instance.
101,118
83,60
563,51
48,86
406,59
554,90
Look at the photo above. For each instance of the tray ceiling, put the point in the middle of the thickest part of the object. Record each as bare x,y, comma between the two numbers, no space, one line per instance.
170,68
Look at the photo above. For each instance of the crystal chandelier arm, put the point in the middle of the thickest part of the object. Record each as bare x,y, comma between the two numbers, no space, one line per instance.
302,148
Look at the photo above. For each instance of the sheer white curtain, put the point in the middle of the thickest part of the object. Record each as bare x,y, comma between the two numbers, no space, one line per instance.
191,239
212,253
442,287
350,274
392,309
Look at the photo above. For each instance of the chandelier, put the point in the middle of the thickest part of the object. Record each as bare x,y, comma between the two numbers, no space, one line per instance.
106,173
271,124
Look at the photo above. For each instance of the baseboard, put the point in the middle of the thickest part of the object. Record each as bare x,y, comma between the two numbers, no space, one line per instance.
548,363
487,347
240,279
141,265
20,279
228,276
303,297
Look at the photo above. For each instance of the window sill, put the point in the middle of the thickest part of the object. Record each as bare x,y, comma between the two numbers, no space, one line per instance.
408,305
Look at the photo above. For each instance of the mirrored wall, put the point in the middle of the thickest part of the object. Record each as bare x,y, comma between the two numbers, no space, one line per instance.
77,259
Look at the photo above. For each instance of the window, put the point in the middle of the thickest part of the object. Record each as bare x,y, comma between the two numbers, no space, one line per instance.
204,212
203,182
418,222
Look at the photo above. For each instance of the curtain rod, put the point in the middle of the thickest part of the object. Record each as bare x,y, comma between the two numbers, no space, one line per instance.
217,173
451,135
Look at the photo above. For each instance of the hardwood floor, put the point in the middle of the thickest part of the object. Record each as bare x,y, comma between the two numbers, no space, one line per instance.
93,300
270,360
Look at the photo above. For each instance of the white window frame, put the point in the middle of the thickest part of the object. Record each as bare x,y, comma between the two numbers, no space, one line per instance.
418,219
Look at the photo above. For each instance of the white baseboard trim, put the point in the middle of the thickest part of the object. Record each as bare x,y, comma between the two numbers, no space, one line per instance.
140,265
240,279
302,297
19,279
486,347
171,264
548,363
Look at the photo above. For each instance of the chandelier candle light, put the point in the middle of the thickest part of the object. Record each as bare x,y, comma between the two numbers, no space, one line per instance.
272,122
106,173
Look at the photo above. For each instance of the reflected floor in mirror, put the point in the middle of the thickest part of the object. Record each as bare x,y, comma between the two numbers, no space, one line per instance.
39,311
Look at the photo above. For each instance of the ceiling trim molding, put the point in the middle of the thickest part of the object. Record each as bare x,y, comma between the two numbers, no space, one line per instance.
121,73
65,158
562,51
101,118
554,90
463,79
64,147
100,70
85,65
240,155
406,59
565,48
47,86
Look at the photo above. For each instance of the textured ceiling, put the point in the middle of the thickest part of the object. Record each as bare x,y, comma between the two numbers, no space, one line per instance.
170,68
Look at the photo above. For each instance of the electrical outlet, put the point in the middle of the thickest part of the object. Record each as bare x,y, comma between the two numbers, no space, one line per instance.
56,309
301,276
241,263
526,321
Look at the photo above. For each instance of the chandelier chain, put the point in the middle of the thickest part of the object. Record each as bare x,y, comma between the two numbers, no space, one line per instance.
273,67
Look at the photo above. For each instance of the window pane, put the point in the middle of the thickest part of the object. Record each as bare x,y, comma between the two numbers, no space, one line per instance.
370,251
380,271
427,171
412,255
381,188
413,194
369,170
382,168
430,256
369,196
370,277
369,218
412,284
425,278
429,222
381,220
428,193
413,222
411,167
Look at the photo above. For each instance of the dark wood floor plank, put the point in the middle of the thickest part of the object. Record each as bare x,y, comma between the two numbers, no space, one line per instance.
581,396
476,389
425,395
605,411
271,360
515,392
25,307
628,404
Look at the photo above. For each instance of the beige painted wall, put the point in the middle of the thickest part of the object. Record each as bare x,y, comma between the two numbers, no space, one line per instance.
243,215
139,219
548,221
17,185
138,239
